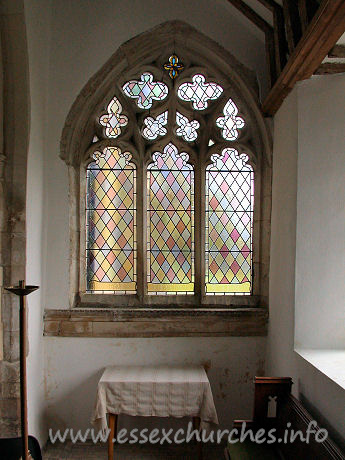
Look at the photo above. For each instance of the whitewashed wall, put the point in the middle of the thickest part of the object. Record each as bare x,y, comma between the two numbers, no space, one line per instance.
37,24
309,137
320,251
80,37
74,366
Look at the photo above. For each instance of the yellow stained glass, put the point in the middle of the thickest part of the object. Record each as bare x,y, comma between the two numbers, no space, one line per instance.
229,220
170,216
111,222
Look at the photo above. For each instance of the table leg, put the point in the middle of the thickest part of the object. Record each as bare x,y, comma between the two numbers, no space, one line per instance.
112,434
196,426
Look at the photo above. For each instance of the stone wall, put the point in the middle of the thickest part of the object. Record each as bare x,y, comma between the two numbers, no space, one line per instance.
14,130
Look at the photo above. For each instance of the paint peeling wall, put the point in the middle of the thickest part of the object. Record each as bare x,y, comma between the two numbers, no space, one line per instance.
74,366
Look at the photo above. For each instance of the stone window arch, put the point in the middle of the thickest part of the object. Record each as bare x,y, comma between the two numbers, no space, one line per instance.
201,104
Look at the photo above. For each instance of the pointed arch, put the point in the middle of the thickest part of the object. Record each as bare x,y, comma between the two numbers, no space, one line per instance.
207,99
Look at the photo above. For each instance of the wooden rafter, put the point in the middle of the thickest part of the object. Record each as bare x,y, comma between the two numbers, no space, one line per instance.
329,68
280,44
303,14
254,17
292,24
257,20
270,4
322,33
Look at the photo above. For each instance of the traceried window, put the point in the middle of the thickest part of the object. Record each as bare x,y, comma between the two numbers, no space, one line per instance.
168,206
228,197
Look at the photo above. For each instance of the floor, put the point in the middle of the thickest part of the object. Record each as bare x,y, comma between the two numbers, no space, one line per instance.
91,451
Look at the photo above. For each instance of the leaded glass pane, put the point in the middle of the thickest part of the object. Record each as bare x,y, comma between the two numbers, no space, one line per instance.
111,223
229,222
154,127
199,92
113,120
146,90
170,217
230,123
186,129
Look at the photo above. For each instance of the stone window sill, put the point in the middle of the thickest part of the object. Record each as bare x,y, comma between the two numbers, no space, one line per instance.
330,362
156,322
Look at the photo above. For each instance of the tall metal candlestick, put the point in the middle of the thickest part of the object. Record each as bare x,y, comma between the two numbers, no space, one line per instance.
21,290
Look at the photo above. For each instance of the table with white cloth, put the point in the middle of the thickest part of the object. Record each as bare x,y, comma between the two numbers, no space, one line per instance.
160,391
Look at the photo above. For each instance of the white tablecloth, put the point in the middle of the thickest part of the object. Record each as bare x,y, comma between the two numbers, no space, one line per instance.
161,391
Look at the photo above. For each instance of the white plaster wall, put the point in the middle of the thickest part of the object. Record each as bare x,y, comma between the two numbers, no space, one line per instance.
74,366
37,23
320,255
84,34
306,109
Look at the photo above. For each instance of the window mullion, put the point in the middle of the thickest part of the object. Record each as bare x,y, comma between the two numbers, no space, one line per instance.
198,245
141,233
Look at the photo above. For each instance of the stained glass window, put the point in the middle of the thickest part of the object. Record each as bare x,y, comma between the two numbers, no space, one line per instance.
111,222
154,127
194,115
230,123
113,120
229,221
199,92
170,217
186,129
146,90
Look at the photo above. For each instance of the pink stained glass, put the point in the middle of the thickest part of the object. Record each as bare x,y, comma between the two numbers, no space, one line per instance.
170,216
229,217
111,223
199,92
145,90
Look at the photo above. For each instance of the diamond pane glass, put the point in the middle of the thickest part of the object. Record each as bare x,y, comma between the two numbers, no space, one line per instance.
154,127
111,223
199,92
170,216
230,123
229,223
146,90
113,120
186,129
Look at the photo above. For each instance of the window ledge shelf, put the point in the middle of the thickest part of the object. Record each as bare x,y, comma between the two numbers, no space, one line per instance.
156,322
330,362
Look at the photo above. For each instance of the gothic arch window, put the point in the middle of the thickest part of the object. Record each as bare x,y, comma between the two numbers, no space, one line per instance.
173,185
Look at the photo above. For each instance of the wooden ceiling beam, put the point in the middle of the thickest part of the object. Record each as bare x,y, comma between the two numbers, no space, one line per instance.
280,43
330,68
303,14
254,17
270,4
257,20
321,35
292,24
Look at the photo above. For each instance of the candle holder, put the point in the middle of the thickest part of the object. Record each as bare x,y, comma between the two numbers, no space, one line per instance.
22,291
